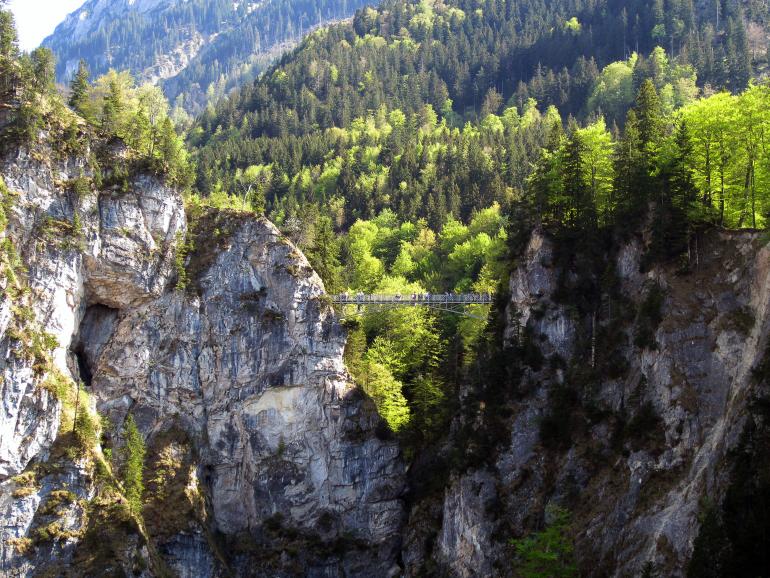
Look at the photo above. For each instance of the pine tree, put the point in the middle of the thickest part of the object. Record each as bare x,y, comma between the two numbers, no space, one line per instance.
79,89
580,212
323,255
650,115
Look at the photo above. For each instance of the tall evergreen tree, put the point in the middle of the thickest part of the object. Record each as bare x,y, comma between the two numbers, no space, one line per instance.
79,88
580,212
650,115
674,206
629,194
43,69
323,254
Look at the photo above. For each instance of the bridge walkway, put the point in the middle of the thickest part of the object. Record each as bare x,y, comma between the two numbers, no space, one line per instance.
449,302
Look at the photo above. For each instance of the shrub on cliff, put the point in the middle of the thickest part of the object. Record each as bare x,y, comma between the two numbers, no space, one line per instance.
549,553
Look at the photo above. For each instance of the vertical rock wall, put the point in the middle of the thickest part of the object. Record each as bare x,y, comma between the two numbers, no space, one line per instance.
261,454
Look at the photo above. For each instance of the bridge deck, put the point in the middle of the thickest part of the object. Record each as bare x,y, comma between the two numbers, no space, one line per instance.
414,299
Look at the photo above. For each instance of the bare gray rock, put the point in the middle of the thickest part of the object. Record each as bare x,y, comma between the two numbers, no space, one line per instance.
237,385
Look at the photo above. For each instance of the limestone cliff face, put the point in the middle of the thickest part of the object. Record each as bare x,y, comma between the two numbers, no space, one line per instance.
633,500
213,333
262,456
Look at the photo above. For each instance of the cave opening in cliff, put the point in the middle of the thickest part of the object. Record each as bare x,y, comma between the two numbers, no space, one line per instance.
95,330
84,371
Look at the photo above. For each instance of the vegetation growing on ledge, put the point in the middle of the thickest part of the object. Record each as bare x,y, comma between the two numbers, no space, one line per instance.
133,470
113,107
548,553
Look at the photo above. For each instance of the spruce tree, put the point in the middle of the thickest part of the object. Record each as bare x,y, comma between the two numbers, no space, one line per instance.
43,69
629,193
674,204
79,89
324,255
650,115
579,211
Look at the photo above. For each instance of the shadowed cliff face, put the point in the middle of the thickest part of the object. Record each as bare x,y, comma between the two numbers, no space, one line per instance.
625,420
261,454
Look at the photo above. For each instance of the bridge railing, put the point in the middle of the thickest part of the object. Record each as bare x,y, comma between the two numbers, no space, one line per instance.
412,298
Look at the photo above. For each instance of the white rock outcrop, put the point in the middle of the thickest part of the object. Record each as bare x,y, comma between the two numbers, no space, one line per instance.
246,363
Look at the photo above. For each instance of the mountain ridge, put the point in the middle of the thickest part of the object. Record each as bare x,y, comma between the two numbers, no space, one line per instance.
196,49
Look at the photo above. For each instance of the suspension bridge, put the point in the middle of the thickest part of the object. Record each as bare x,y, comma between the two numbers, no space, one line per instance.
456,303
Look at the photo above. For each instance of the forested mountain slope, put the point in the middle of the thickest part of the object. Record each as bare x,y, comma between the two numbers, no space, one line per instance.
198,49
597,150
405,54
370,115
604,168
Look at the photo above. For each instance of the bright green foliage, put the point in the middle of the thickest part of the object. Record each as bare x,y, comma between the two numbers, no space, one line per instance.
380,384
597,169
184,247
417,166
573,25
708,163
613,91
139,116
133,476
7,199
405,350
368,270
87,425
730,159
547,554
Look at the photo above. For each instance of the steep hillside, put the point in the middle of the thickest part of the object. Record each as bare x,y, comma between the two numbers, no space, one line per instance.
452,62
606,416
174,398
236,386
198,50
637,418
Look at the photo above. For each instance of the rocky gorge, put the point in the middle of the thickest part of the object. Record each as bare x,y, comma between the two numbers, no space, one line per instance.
637,440
210,331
